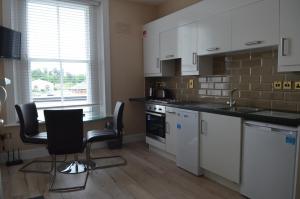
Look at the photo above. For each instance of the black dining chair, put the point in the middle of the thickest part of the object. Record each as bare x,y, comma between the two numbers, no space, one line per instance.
107,135
65,136
29,132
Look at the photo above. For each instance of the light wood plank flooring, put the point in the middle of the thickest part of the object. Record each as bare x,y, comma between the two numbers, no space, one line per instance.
146,176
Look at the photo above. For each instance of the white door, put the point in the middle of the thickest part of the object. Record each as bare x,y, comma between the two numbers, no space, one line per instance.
289,50
220,145
187,153
255,25
187,47
214,34
151,50
171,130
168,41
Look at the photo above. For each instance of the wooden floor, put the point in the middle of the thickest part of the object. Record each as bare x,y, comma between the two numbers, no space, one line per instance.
146,176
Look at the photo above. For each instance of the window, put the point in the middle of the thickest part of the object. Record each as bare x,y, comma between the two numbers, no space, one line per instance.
59,53
65,55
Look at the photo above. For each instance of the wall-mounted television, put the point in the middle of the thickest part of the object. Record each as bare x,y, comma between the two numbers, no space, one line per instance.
10,43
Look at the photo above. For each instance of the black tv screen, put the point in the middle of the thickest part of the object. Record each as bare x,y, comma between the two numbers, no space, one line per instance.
10,43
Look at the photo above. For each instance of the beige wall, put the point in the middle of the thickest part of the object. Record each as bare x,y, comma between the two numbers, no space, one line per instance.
171,6
126,22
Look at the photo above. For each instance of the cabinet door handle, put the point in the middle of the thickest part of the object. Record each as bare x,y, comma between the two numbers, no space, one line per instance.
169,56
251,43
157,63
213,49
167,128
194,58
283,46
202,127
171,112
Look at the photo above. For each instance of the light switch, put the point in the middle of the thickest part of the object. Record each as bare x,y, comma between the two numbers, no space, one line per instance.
191,83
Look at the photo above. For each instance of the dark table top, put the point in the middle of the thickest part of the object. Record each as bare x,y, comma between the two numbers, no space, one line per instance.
92,113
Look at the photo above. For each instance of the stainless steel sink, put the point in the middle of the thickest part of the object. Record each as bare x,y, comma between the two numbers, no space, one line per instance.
241,109
210,106
188,104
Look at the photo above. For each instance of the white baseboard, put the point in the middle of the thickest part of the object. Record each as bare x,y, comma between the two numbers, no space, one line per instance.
43,152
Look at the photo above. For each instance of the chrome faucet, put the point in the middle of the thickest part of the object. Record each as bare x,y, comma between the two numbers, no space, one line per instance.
231,101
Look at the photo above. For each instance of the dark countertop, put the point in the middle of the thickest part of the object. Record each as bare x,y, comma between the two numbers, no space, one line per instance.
261,115
138,99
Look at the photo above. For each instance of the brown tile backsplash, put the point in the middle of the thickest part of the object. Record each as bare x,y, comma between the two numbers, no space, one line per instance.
252,73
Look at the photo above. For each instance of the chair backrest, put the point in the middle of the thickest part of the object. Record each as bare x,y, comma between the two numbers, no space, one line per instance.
64,131
118,118
29,125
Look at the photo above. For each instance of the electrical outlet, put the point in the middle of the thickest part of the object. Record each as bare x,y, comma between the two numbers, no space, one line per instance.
191,83
277,85
297,86
287,85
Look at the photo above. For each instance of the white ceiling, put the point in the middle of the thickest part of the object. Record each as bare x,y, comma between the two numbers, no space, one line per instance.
151,2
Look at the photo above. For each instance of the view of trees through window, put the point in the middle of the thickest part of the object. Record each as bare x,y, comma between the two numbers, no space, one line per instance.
54,81
53,77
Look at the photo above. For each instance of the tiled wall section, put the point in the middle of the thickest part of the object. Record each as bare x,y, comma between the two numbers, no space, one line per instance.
252,73
218,86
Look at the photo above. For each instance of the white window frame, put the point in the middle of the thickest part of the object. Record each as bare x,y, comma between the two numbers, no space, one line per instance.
11,71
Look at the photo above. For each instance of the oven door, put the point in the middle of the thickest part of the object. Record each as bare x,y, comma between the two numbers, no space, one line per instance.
155,126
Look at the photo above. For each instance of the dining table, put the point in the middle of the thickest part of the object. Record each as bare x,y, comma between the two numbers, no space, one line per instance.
90,113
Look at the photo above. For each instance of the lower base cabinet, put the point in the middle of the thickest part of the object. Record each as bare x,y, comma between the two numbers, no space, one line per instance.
220,145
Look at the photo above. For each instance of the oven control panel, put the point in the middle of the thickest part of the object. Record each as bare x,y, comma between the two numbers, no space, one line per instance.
155,108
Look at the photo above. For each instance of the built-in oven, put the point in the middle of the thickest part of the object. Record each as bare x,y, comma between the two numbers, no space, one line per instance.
155,122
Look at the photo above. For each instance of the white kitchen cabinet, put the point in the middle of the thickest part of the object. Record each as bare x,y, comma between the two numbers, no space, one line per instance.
153,67
171,131
151,50
187,45
220,145
214,34
191,64
168,42
255,25
289,49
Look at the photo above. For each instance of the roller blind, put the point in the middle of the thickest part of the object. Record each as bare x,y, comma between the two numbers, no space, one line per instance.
61,61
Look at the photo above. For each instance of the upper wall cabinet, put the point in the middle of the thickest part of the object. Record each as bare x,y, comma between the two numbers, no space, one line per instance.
255,25
214,34
151,50
289,50
187,47
168,41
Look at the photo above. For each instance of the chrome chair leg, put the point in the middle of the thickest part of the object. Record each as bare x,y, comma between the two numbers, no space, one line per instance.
65,189
25,170
92,164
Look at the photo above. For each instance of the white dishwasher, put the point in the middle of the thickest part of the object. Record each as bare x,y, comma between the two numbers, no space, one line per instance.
187,146
269,156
